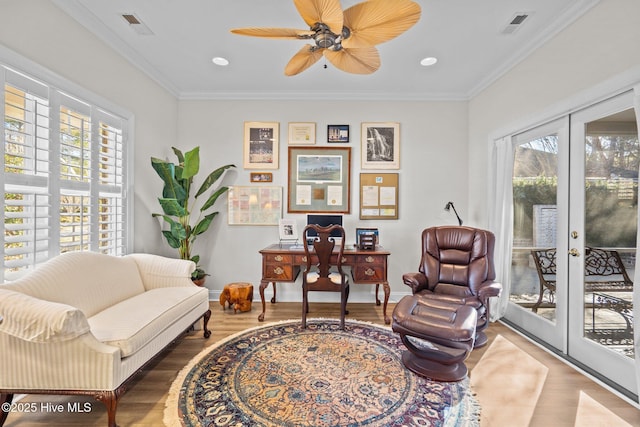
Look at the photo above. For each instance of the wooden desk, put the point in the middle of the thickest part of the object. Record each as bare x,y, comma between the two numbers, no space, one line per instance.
281,263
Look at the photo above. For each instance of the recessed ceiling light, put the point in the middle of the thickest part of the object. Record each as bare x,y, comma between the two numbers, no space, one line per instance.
218,60
428,61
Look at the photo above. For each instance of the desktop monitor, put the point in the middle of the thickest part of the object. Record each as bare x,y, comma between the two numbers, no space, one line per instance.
324,221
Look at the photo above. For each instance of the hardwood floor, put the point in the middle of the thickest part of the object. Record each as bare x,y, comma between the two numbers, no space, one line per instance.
517,383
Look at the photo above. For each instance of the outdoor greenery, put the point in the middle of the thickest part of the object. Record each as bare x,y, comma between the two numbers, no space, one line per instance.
611,187
610,211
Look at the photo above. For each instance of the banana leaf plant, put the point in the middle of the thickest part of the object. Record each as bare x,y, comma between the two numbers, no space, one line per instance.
178,205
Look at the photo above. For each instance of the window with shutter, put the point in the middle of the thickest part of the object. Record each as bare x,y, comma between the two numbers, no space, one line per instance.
64,175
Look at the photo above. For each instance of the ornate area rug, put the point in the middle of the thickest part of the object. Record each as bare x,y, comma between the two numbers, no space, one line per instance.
282,375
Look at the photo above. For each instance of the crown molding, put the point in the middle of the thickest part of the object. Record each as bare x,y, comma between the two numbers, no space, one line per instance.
87,19
318,95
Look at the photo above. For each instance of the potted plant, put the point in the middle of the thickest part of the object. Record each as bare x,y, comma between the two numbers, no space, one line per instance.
199,275
178,205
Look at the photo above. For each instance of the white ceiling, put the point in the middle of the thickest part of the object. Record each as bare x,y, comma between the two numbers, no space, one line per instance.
465,35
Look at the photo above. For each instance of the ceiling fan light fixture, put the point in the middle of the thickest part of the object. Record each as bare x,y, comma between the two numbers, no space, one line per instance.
325,40
218,60
346,38
428,61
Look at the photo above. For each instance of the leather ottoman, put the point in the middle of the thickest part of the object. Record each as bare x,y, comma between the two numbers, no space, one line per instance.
438,335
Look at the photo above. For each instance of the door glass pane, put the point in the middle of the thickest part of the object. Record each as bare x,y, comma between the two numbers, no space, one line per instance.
611,205
535,182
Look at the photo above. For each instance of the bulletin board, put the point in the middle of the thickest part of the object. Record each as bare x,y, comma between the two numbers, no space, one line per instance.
378,196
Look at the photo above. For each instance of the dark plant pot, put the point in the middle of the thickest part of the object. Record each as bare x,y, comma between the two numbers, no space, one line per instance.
200,281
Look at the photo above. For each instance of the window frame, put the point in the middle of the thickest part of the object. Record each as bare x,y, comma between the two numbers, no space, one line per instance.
104,114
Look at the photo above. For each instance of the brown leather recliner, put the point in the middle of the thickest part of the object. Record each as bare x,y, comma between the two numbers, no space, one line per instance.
457,267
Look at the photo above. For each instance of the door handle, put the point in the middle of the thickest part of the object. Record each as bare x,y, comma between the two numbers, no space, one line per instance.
574,252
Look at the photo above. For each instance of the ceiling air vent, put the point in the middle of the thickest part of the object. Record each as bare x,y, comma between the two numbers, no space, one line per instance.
136,24
515,23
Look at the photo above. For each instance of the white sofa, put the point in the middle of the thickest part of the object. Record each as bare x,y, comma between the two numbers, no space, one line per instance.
85,323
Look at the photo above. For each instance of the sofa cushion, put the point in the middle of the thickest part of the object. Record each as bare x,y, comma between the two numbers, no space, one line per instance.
132,323
161,272
37,320
89,281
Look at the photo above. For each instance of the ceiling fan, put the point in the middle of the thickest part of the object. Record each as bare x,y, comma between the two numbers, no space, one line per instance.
346,38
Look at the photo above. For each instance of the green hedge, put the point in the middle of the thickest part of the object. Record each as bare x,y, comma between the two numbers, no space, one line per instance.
610,220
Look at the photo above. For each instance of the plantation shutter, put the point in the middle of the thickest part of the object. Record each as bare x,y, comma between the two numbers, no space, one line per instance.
75,207
64,175
25,177
110,205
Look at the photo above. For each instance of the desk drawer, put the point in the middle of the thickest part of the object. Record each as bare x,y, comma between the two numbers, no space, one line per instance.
302,260
371,260
369,273
278,272
278,258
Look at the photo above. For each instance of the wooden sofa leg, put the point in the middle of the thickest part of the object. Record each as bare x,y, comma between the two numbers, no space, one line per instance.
205,321
110,400
5,398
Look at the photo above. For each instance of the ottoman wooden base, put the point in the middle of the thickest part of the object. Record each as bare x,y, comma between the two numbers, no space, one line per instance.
238,296
438,336
435,370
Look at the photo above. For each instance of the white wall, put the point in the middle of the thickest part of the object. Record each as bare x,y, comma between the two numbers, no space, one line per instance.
602,44
39,31
433,170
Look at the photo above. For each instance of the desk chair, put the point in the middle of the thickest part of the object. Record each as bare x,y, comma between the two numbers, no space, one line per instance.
323,269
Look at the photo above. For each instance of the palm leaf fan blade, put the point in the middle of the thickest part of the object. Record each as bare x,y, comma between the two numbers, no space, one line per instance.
359,60
329,12
377,21
302,60
272,33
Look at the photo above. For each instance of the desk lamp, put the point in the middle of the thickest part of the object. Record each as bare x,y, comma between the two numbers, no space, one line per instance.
449,206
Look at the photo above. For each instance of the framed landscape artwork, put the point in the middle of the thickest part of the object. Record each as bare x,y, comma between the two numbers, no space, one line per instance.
380,145
261,141
319,179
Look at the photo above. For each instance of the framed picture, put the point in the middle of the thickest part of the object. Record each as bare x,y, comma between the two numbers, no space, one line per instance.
288,229
251,205
261,177
302,133
338,133
319,179
261,140
380,145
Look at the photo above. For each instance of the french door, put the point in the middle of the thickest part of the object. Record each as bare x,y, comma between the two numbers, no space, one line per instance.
575,207
603,200
540,185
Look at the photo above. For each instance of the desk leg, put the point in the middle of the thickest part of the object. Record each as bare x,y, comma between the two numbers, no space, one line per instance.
263,284
377,288
387,291
273,298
